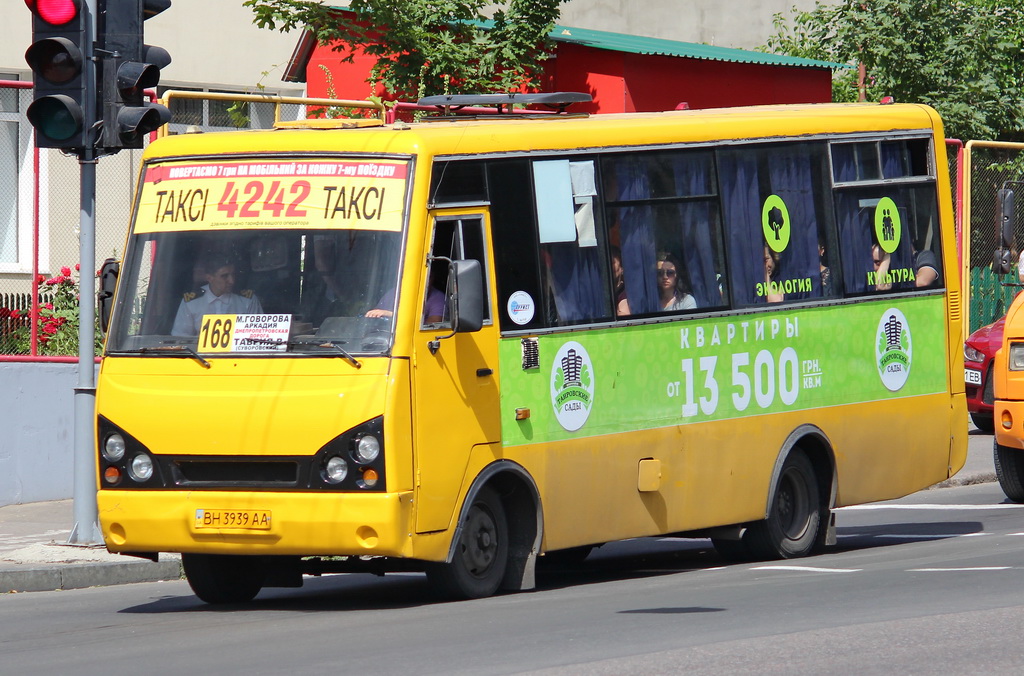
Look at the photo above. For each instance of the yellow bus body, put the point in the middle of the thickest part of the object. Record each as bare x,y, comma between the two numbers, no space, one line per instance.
448,423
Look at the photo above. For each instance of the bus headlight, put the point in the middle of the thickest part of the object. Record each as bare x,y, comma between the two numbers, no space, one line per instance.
335,470
113,448
1016,360
367,449
140,469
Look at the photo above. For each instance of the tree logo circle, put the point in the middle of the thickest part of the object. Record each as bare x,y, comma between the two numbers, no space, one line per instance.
775,223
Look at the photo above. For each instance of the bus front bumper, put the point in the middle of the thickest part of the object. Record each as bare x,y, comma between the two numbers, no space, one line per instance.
224,522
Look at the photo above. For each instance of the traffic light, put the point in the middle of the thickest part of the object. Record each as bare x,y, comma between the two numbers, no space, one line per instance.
127,68
58,57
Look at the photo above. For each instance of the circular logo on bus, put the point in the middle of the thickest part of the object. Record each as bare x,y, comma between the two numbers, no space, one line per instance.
893,350
775,223
521,307
572,386
888,228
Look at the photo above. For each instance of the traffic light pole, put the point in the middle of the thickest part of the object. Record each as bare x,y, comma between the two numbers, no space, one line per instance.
86,512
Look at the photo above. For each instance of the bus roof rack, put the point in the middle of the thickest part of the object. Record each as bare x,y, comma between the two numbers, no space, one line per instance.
559,101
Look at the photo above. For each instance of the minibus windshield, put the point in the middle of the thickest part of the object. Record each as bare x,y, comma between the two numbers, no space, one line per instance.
267,291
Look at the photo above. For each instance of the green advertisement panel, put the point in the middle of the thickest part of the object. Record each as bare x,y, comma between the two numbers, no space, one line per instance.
613,380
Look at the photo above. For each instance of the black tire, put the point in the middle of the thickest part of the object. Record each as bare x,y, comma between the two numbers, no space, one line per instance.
984,422
222,578
794,518
481,554
1010,470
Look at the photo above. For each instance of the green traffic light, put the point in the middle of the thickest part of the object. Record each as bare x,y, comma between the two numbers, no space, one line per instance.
58,117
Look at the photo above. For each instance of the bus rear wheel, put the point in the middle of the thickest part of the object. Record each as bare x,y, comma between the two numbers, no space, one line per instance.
794,518
223,578
481,554
1009,470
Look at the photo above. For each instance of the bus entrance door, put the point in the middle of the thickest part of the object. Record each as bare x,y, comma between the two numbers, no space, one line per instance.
455,389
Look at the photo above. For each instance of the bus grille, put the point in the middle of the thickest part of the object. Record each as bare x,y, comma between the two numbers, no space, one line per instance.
248,472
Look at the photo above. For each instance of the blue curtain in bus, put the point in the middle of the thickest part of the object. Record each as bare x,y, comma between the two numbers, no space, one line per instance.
741,212
698,223
636,235
575,274
791,179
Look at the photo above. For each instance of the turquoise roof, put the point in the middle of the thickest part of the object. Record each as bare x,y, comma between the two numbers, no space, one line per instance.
635,44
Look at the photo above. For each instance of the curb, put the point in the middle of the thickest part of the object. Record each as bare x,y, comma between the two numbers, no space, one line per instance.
79,576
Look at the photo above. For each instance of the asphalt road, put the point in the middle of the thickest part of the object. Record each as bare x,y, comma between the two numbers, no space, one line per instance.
932,583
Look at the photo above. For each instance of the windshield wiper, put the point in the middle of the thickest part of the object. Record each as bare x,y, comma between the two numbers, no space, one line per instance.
334,344
183,350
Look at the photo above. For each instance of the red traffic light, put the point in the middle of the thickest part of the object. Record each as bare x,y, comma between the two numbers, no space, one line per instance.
57,60
54,12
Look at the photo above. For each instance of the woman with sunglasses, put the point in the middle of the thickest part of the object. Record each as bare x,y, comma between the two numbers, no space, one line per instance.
672,293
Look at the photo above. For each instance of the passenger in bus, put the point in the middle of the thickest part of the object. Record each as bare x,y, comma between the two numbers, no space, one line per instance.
772,266
216,297
672,294
619,276
926,268
880,260
826,272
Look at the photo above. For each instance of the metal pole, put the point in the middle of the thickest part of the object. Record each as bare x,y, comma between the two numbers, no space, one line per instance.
86,529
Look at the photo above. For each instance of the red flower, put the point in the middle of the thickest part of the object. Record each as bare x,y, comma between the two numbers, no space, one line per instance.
77,267
48,306
66,271
15,313
40,279
50,328
4,312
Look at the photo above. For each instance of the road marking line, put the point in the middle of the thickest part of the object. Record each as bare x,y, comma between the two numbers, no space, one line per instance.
1000,505
956,570
810,569
915,536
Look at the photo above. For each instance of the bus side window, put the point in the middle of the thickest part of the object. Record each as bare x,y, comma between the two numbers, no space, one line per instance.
774,203
574,268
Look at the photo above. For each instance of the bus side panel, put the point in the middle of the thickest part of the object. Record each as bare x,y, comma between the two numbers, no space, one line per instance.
714,399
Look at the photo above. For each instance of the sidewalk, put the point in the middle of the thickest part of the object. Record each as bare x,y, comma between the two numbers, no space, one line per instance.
34,556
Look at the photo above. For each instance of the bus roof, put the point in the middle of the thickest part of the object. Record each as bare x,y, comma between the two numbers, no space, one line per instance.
494,134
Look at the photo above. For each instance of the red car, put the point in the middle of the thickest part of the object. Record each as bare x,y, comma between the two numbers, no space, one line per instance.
979,350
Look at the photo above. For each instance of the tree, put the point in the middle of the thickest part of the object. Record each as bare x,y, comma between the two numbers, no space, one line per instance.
426,47
965,58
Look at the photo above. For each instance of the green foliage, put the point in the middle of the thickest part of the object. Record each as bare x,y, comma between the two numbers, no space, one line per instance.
427,47
963,57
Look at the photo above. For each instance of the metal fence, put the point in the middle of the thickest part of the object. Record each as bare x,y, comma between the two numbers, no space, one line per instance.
40,202
989,165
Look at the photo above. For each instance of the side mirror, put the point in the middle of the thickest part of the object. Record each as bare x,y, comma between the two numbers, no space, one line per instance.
105,296
1001,262
1007,216
466,304
465,299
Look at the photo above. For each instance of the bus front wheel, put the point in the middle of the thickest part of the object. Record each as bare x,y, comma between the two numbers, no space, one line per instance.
794,518
1009,470
481,554
222,578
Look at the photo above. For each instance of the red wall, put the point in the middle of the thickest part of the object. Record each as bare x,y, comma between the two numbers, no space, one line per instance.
622,82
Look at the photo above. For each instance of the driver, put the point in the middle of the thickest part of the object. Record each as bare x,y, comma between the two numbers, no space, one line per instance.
216,297
433,307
